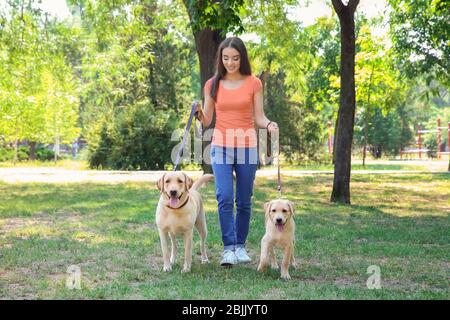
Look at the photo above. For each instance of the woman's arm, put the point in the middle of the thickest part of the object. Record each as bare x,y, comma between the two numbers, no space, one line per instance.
205,115
260,118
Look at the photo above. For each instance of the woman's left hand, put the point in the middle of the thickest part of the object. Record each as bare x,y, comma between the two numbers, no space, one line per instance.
272,127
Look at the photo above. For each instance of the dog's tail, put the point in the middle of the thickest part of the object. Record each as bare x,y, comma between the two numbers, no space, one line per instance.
203,179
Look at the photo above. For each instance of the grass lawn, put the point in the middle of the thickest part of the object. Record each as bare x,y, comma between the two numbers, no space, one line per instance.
65,163
397,222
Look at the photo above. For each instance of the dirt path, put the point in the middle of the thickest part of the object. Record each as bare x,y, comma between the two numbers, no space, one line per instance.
61,175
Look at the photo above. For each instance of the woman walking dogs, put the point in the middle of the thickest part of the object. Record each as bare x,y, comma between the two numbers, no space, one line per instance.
237,98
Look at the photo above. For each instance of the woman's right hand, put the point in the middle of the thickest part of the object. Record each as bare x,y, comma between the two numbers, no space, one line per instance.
199,112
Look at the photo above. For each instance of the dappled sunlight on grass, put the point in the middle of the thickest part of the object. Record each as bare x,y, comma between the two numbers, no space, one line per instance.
397,222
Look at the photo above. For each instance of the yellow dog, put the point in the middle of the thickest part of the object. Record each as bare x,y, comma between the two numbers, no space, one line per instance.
280,232
180,208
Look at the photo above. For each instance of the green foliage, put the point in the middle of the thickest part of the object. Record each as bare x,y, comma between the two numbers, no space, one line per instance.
99,154
119,65
38,98
23,153
301,134
384,133
136,77
6,154
420,31
323,45
139,140
44,154
215,15
430,143
144,139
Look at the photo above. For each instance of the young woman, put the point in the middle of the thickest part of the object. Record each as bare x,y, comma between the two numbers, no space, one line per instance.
237,98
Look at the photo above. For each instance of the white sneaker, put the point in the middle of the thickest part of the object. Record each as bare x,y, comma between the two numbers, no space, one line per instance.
242,256
228,258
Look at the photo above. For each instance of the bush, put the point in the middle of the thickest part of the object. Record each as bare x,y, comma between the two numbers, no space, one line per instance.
98,155
23,153
6,154
44,154
140,139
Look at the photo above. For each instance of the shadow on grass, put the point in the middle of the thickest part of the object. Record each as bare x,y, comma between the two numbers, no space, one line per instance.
109,232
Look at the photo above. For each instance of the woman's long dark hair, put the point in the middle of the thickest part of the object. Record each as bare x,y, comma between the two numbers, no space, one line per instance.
244,69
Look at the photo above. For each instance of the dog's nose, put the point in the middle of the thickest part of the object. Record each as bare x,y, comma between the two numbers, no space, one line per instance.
173,193
279,220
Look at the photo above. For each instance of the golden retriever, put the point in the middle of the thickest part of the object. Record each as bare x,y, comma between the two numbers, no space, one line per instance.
179,208
280,232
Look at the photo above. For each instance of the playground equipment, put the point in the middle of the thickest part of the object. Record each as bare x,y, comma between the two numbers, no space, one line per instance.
438,130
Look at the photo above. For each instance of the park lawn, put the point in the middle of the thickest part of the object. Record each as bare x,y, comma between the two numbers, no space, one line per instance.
356,166
397,222
72,164
64,163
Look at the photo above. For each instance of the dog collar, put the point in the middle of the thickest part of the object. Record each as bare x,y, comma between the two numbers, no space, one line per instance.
187,199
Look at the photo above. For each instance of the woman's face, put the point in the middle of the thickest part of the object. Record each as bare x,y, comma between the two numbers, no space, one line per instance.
231,60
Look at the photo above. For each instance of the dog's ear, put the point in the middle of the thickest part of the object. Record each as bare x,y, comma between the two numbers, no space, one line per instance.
291,207
188,181
267,207
160,183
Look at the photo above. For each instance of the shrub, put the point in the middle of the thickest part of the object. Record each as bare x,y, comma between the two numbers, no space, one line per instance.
140,139
44,154
6,154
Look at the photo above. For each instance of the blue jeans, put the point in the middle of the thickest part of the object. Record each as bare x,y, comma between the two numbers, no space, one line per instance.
244,161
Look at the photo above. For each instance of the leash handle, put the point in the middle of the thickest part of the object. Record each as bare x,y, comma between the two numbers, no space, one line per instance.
186,133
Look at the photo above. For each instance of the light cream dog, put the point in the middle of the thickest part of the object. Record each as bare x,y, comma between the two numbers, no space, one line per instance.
280,232
179,208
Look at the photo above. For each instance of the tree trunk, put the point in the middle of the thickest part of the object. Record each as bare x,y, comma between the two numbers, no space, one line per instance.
347,102
207,42
32,150
334,140
365,146
16,147
56,148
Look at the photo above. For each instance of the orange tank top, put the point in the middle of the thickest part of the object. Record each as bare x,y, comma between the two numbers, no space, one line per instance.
235,126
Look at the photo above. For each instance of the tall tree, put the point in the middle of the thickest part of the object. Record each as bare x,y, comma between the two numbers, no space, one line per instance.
347,102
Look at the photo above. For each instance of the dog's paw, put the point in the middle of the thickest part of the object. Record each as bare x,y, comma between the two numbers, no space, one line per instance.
285,277
205,261
173,260
274,266
261,268
167,268
186,269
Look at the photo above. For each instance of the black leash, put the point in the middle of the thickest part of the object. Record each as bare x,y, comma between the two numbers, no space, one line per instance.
269,155
186,133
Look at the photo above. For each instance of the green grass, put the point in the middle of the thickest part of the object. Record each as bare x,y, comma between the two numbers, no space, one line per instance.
356,165
371,167
398,222
65,163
